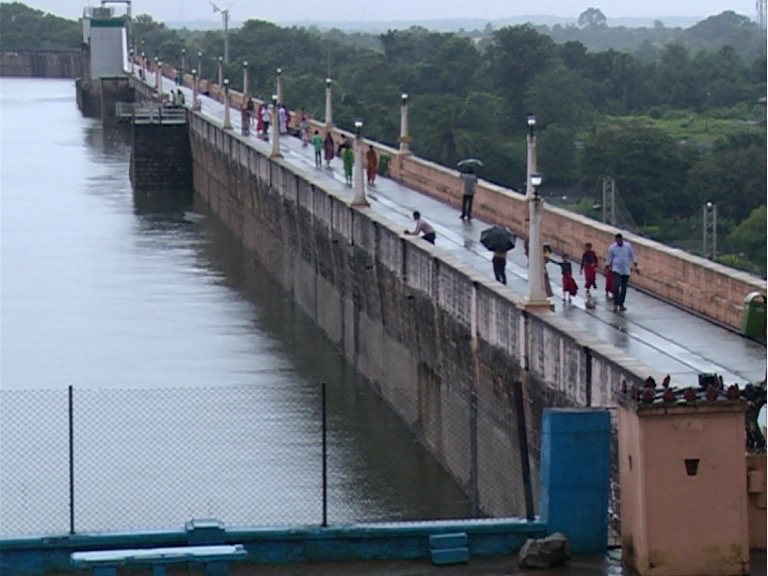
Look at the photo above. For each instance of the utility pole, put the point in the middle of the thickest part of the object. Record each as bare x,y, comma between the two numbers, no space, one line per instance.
225,20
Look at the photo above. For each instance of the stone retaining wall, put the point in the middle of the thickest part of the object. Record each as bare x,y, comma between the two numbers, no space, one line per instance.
440,343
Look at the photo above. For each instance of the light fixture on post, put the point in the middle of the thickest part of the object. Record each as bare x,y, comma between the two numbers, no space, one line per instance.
531,155
275,128
280,86
159,78
405,138
221,71
359,198
144,62
227,124
195,99
328,104
710,231
200,65
245,81
537,294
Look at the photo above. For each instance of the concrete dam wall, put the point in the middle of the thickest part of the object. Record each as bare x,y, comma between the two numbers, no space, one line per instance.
439,343
41,63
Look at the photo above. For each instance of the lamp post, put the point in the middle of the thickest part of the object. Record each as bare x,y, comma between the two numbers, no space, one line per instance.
130,55
710,231
159,78
404,137
280,86
221,71
200,65
359,198
183,66
531,159
537,294
245,80
328,104
275,130
195,103
157,75
144,63
227,125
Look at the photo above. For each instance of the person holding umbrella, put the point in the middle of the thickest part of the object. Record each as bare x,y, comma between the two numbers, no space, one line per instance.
467,174
499,240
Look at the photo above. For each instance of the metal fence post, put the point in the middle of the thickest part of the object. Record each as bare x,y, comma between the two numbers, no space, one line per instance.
71,463
522,437
325,454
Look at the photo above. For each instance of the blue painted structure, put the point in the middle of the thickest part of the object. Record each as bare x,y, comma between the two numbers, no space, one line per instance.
574,490
575,475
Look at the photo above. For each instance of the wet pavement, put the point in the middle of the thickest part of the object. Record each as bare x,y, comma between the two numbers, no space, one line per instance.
662,336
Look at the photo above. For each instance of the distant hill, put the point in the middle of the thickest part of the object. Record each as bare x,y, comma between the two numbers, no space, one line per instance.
447,24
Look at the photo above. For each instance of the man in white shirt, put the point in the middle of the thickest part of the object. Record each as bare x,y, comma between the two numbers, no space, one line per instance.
621,258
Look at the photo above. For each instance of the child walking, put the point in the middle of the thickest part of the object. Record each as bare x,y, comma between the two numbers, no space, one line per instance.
570,288
589,268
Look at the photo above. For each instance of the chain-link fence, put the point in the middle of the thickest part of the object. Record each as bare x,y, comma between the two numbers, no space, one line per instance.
81,460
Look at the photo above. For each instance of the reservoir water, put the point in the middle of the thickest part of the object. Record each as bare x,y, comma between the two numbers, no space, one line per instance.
195,378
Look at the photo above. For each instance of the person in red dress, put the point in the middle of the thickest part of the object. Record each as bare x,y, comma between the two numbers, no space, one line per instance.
589,267
608,282
570,288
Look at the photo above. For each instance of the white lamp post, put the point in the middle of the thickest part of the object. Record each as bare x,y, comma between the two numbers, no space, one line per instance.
245,81
531,160
359,198
144,63
194,91
328,104
159,78
157,75
404,137
130,55
221,71
537,294
200,65
275,128
280,86
227,125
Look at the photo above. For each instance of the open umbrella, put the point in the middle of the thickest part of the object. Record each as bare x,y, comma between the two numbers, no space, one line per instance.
498,239
469,163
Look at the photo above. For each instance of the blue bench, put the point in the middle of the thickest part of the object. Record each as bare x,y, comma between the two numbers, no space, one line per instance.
105,562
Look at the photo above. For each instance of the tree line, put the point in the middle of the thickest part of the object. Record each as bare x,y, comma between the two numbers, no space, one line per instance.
676,126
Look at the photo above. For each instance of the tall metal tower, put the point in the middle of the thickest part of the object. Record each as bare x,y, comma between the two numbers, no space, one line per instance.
225,20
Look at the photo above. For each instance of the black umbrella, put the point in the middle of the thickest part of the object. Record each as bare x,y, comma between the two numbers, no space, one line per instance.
498,239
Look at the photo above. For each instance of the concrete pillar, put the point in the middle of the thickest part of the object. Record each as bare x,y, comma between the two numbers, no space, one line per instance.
221,71
280,86
275,129
245,82
683,477
144,63
531,155
227,124
328,104
159,78
200,65
195,98
359,197
405,138
131,56
537,293
157,74
183,64
575,476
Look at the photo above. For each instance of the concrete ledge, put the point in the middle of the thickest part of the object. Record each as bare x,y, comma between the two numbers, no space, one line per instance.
284,544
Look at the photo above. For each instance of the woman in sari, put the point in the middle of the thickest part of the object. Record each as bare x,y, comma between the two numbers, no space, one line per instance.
329,148
371,164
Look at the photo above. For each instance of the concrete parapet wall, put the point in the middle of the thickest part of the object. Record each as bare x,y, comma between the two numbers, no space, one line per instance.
41,63
440,343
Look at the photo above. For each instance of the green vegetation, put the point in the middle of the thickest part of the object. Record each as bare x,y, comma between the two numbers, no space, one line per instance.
24,28
677,117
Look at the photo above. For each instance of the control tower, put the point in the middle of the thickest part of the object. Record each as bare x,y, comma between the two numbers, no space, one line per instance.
104,48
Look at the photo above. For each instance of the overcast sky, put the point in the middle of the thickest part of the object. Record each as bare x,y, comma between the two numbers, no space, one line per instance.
292,10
